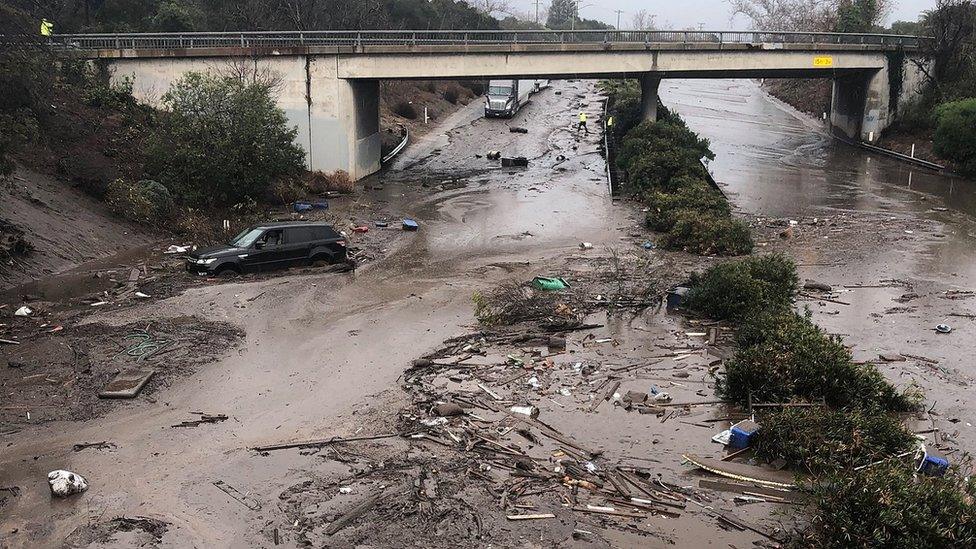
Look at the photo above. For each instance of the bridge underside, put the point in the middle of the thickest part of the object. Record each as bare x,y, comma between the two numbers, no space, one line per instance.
332,97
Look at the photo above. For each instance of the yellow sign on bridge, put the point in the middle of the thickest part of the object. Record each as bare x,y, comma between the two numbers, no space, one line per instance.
824,61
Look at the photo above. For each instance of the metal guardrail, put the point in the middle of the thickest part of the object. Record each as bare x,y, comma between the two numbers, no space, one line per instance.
461,38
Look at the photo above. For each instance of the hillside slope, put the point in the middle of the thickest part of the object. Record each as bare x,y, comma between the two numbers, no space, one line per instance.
65,226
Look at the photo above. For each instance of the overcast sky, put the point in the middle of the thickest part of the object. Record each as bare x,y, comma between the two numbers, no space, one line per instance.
680,14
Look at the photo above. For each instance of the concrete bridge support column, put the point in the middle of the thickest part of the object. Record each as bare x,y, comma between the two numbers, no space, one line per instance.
343,121
860,105
649,85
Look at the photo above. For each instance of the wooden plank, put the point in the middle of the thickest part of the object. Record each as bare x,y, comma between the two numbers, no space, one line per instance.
127,384
736,488
536,516
741,471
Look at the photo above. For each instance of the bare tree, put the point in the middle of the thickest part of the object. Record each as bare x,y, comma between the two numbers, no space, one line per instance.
787,15
802,15
643,20
492,7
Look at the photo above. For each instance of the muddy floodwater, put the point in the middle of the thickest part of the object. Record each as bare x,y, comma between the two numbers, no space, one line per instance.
324,355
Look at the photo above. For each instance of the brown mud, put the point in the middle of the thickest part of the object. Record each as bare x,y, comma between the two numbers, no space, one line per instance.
332,354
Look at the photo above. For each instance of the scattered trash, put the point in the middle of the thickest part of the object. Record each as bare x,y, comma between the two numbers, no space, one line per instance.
300,207
648,245
174,249
516,129
127,384
64,483
742,471
381,224
518,161
565,392
320,205
494,155
345,490
410,225
549,284
723,437
530,411
24,311
943,328
586,245
675,297
204,418
560,157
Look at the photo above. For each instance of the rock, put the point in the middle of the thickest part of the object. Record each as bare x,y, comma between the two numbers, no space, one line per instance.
681,374
64,483
891,357
448,409
814,285
635,397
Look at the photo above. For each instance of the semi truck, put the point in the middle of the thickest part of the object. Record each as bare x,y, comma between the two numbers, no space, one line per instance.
506,97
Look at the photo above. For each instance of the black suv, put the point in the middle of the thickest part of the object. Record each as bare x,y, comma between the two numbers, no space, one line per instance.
270,246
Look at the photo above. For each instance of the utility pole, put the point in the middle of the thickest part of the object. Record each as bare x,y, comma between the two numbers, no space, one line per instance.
537,11
618,18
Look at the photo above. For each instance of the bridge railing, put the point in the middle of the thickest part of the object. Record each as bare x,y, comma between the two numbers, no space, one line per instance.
462,38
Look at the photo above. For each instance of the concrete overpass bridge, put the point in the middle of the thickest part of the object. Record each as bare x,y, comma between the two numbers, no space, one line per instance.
330,79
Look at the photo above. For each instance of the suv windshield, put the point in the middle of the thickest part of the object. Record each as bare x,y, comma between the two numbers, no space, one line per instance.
499,90
246,238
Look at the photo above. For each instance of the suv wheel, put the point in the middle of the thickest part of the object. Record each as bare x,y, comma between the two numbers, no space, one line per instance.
227,272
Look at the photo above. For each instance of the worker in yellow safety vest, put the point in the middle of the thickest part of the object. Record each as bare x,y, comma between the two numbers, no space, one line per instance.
47,28
610,122
582,123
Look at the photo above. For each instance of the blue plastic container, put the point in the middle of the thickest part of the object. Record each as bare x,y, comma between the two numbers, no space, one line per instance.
320,205
742,433
933,465
410,225
302,207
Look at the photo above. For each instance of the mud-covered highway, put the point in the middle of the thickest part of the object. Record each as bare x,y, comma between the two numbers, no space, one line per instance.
325,354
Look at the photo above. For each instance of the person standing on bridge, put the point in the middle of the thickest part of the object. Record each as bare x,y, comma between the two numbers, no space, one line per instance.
582,123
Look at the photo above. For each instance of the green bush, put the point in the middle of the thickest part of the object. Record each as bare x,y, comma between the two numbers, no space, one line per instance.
820,440
955,134
146,201
656,155
737,289
223,141
789,357
705,233
889,506
692,194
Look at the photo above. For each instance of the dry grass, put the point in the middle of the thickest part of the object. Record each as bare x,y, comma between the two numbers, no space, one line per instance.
338,181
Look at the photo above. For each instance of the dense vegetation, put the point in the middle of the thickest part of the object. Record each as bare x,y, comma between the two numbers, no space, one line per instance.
661,164
841,424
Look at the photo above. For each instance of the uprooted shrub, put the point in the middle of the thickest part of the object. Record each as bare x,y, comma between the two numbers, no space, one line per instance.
790,358
514,302
820,440
705,233
737,289
692,194
887,505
